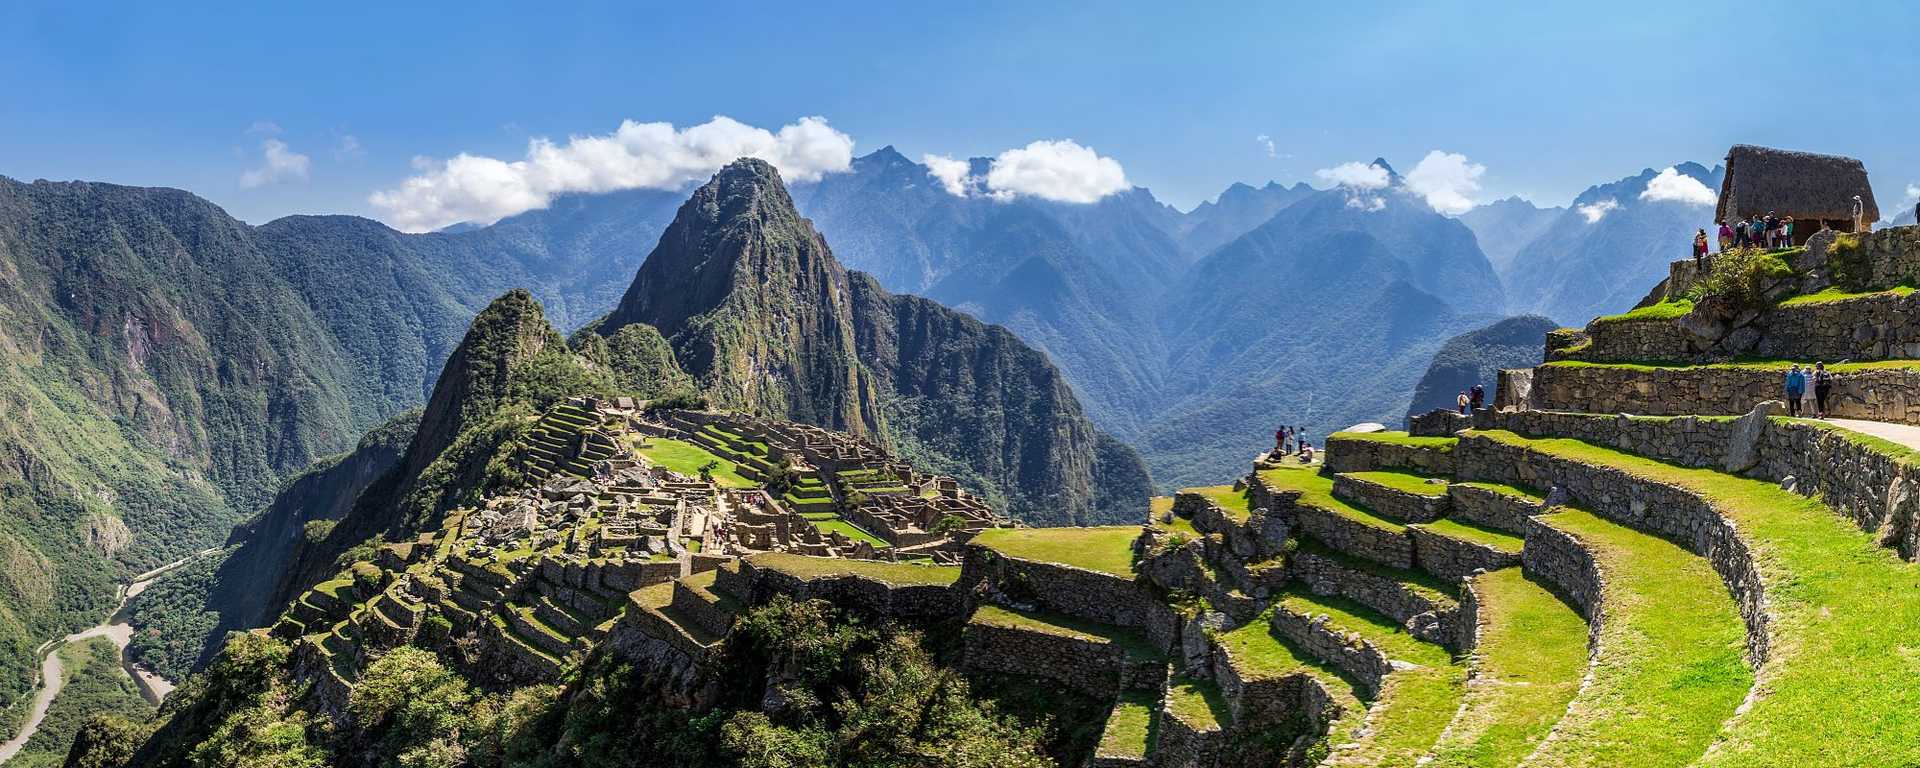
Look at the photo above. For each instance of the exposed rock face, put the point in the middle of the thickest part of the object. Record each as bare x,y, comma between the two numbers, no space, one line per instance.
762,316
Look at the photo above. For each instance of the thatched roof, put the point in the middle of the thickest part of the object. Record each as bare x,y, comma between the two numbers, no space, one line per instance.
1798,184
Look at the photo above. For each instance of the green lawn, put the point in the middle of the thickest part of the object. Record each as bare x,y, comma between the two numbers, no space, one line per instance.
1531,656
1232,501
1445,444
1129,640
1105,549
1415,702
1316,490
1130,726
1404,482
1197,703
897,574
1476,533
1843,677
1836,294
687,459
1666,310
849,530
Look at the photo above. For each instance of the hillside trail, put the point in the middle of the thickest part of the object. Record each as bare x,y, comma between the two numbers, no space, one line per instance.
1904,434
115,628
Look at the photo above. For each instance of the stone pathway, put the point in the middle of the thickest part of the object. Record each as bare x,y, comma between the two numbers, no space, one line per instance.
1904,434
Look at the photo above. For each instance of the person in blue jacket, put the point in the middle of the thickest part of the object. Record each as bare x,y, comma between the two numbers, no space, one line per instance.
1796,388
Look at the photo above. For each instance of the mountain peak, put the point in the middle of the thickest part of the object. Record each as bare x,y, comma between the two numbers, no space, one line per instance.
1382,162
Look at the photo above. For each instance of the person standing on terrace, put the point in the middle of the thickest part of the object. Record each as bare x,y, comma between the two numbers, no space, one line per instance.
1822,387
1726,237
1796,386
1699,246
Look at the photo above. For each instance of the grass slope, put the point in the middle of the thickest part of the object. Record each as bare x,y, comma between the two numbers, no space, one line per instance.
1843,675
1106,549
687,459
1531,655
1415,702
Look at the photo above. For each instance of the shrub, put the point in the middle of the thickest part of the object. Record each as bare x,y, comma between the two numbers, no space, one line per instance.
1741,276
315,531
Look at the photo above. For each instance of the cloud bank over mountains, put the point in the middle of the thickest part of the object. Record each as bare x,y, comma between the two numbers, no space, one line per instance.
1060,171
636,155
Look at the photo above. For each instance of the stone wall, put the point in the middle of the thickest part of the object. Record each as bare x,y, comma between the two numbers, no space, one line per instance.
1391,502
858,593
1184,745
1872,327
1364,663
1438,422
1672,512
1256,702
1360,455
1888,257
1872,486
1455,559
1492,508
1426,615
1075,592
1879,395
1093,667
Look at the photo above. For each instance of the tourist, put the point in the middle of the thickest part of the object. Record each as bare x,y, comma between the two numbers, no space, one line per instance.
1280,440
1740,233
1306,453
1757,231
1476,397
1796,387
1773,230
1786,232
1699,246
1726,237
1463,402
1822,386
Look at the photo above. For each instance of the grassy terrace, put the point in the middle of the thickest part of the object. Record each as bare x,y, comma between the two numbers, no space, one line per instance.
1843,675
833,524
1197,703
1528,665
1402,481
1105,549
1161,505
1666,310
897,574
1415,703
687,459
1476,533
1507,490
1835,294
1224,496
1397,438
1433,587
1742,364
1316,490
1067,626
1130,726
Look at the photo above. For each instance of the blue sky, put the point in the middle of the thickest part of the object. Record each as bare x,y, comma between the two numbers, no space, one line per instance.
1548,99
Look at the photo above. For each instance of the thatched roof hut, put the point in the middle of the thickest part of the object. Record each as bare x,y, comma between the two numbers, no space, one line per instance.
1810,188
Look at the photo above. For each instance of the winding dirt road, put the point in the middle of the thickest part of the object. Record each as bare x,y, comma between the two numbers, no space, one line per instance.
53,674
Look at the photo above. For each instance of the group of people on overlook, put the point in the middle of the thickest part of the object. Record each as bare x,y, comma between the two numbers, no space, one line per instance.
1796,388
1471,400
1292,441
1771,231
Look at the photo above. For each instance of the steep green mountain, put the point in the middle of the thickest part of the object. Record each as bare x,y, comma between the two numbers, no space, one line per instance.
1476,357
765,319
1322,317
1503,227
1594,258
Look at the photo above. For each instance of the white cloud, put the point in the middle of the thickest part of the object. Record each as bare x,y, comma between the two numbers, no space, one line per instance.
1447,180
636,155
1060,171
263,128
951,173
1355,175
280,163
1670,185
347,148
1595,211
1267,141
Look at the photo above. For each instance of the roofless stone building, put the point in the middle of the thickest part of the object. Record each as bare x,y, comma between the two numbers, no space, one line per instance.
1814,189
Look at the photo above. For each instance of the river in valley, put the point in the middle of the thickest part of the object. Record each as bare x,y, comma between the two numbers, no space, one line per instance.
53,673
